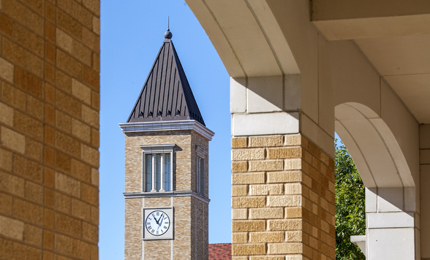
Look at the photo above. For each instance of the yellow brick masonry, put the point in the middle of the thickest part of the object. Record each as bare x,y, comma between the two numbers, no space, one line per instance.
49,129
283,199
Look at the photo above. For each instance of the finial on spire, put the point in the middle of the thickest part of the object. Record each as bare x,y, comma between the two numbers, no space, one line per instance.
168,34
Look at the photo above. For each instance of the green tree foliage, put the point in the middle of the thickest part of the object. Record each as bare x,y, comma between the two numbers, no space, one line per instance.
350,207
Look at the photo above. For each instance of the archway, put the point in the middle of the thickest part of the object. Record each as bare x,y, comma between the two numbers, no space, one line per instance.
390,187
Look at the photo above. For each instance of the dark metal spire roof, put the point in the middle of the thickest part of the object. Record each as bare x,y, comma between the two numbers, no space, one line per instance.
166,94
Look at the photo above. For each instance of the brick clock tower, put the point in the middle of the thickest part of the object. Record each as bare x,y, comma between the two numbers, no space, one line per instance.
166,167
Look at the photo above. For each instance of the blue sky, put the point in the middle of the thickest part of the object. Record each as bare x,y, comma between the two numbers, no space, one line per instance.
132,34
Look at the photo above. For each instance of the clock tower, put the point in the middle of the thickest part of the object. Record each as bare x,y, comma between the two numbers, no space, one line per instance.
166,167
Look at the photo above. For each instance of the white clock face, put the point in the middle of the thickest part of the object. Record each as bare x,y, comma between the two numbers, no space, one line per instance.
157,223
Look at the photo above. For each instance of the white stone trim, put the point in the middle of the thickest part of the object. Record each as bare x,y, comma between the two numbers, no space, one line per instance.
136,127
158,148
179,193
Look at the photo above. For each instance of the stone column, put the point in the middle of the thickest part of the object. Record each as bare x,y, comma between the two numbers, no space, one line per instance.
425,191
282,174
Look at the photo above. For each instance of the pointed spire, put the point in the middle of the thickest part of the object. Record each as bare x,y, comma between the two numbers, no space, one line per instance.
166,94
168,34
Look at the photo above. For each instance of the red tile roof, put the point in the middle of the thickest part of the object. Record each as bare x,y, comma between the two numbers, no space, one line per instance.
220,251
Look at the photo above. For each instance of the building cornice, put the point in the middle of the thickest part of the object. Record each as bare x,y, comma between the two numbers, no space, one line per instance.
136,127
178,193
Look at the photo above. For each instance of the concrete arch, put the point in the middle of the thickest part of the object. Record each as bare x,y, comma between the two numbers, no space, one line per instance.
376,152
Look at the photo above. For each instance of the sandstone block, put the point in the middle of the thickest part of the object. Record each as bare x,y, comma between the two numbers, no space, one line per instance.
267,258
81,92
95,215
285,248
239,166
28,125
239,214
67,144
63,203
287,176
268,189
68,104
293,164
90,232
67,184
293,236
248,202
236,190
21,251
13,96
284,201
90,116
62,161
293,188
239,258
11,228
248,178
239,142
49,218
6,70
68,225
94,177
33,235
93,6
291,140
12,140
240,238
81,210
5,160
294,212
91,77
247,154
48,239
96,25
81,131
266,237
90,155
5,204
6,114
266,165
21,166
285,225
249,249
266,213
266,141
89,194
63,121
248,225
284,152
80,170
34,192
12,184
26,211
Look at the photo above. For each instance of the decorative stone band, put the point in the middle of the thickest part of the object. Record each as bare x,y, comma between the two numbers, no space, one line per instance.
167,126
177,193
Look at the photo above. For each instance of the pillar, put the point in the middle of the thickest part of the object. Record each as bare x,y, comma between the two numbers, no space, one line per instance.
425,191
283,201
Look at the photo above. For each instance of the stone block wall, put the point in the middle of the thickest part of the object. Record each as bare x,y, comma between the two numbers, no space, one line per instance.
191,214
49,129
283,199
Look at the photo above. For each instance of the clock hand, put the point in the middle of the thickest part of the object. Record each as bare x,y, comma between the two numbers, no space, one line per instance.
156,220
161,222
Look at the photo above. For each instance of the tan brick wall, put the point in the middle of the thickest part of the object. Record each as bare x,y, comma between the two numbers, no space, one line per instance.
283,199
49,129
133,157
191,215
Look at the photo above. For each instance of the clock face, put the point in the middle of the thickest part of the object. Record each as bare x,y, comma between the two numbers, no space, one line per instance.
157,223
